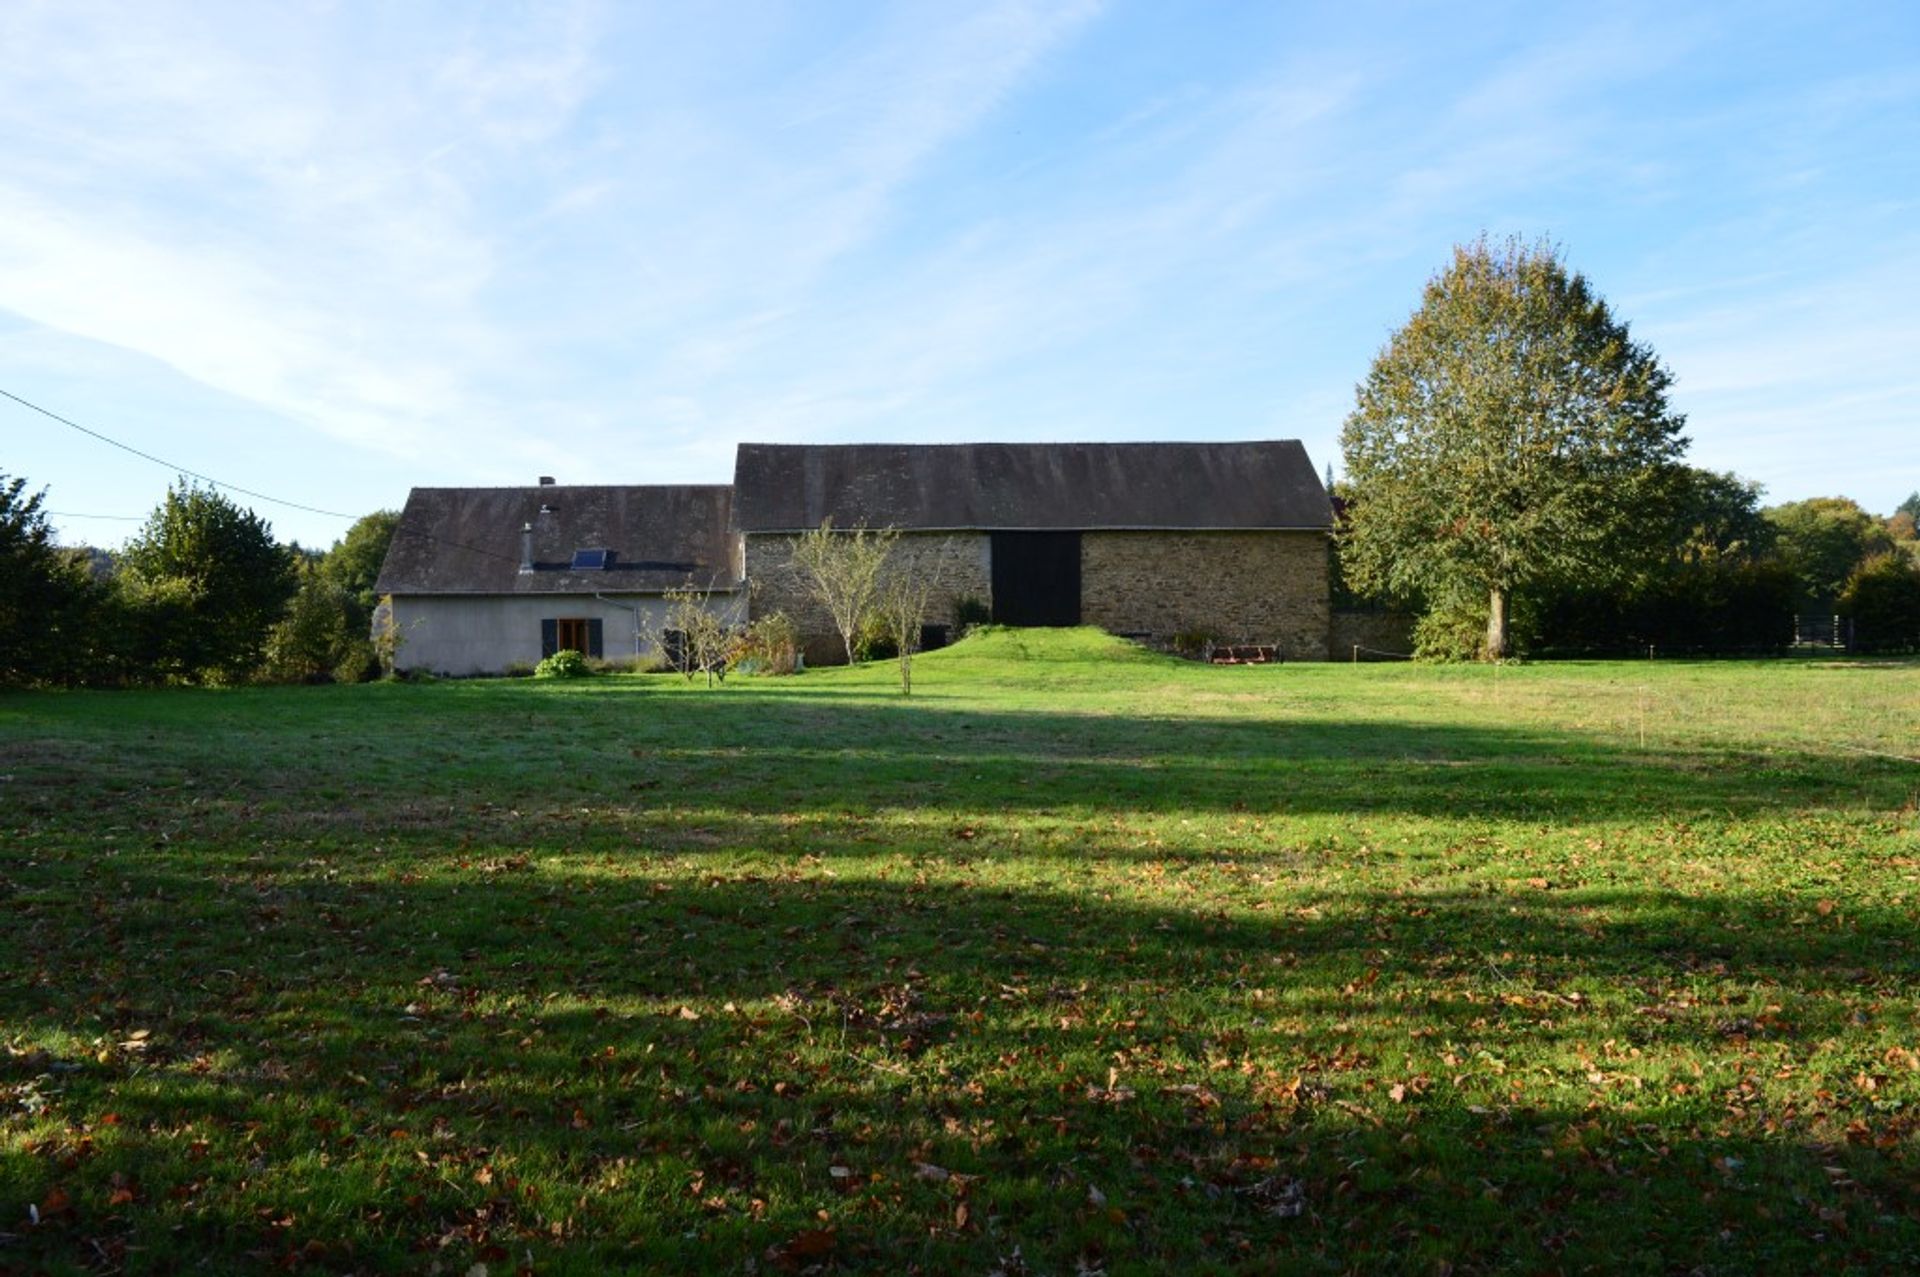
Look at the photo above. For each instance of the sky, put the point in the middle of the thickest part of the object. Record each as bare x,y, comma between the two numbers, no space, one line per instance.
329,251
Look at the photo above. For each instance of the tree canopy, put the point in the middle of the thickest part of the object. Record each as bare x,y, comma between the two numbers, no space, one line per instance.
45,592
211,581
1510,434
354,562
1823,539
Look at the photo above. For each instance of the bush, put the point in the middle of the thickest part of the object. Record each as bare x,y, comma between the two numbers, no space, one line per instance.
1195,644
771,645
1454,631
565,663
315,638
359,663
969,612
874,640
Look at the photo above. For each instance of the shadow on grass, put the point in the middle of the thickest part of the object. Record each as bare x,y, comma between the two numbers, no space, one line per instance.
376,759
592,982
342,1072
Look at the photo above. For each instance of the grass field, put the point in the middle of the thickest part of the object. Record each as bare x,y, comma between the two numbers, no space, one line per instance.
1080,961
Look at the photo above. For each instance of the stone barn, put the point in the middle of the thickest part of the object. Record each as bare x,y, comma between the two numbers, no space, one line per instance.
481,580
1150,540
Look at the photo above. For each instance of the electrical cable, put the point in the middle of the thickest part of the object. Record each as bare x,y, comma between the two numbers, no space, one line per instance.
230,487
160,461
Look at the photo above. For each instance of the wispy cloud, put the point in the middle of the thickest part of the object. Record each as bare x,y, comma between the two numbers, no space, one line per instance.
610,240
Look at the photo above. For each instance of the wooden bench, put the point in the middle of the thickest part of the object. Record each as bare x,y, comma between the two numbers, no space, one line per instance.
1244,654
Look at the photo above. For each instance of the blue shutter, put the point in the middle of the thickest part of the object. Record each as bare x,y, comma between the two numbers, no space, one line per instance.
594,633
549,637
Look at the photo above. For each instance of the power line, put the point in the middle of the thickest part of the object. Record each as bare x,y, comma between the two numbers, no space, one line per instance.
159,461
231,487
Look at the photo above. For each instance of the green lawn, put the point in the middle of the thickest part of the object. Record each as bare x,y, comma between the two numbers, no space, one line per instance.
1082,960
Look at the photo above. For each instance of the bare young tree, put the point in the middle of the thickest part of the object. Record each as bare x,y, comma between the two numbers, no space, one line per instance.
843,571
905,592
696,639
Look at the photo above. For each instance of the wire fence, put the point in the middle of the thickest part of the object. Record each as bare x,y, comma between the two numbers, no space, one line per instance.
1363,653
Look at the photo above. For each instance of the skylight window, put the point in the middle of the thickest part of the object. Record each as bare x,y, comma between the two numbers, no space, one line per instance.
585,560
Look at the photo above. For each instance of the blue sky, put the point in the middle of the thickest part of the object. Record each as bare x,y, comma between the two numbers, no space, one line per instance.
329,251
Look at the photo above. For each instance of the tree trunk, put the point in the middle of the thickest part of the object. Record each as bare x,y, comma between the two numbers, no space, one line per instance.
1497,625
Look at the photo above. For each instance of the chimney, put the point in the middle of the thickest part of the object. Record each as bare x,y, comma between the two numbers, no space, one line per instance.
526,547
546,481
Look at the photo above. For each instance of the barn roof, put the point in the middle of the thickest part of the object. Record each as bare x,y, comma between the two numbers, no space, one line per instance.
1028,486
467,540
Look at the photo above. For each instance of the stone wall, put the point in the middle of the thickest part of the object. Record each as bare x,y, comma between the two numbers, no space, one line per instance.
959,560
1237,587
1384,634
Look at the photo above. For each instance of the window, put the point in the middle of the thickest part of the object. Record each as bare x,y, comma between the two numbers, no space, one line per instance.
583,634
589,560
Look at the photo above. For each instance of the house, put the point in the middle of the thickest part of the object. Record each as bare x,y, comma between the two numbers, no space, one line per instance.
1154,540
481,580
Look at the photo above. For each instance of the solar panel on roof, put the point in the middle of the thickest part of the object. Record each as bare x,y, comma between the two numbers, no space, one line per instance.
589,560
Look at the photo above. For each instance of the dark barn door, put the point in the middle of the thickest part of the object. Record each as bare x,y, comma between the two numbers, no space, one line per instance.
1036,578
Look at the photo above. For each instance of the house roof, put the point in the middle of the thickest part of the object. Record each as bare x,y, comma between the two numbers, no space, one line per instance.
467,540
1030,486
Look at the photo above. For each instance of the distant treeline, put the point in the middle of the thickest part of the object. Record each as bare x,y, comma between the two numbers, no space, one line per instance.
1717,574
202,594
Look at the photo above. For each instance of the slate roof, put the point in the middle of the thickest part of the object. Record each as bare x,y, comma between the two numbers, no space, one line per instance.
467,540
1029,486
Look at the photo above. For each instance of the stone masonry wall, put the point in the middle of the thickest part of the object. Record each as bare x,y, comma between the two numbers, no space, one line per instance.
1240,587
1381,634
960,559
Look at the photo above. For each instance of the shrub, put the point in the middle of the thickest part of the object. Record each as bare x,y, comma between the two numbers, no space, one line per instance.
1455,631
969,612
873,641
1195,644
771,645
565,663
359,663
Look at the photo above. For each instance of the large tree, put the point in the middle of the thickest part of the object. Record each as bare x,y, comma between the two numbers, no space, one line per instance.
1512,433
354,562
213,580
1823,539
47,596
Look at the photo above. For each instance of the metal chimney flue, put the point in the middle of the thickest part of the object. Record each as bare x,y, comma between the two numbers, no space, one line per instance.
526,547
